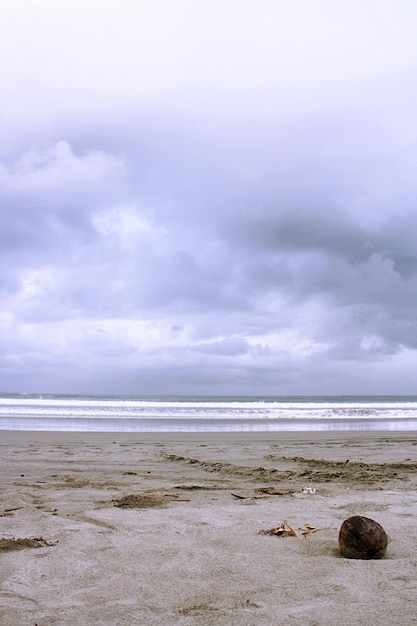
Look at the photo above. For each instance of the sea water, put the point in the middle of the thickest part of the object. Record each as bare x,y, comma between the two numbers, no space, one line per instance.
205,414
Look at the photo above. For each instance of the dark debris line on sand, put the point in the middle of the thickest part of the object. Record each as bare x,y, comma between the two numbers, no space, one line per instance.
7,545
310,469
138,501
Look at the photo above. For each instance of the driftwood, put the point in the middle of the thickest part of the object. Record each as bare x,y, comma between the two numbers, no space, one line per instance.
273,492
176,496
309,530
239,497
264,491
285,530
362,538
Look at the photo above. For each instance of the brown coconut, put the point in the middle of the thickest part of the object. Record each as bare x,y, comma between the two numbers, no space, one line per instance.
362,538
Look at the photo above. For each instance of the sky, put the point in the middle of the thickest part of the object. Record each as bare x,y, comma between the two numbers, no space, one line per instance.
208,197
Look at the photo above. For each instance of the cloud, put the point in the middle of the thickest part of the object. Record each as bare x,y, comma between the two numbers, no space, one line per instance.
208,198
270,288
46,203
56,169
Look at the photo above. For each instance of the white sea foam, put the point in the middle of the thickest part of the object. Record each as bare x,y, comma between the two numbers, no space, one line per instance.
136,414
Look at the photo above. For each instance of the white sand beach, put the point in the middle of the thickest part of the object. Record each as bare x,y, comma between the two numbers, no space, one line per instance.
164,529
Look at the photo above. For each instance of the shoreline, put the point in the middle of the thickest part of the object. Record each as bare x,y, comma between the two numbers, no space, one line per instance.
49,436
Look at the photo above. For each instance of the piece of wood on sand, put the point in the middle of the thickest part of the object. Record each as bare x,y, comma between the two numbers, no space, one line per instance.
240,497
362,538
270,491
285,530
309,529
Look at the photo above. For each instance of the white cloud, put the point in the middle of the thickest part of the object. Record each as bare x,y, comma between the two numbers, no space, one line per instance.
57,170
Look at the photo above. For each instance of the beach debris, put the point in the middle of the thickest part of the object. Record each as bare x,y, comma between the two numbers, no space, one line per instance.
362,538
284,530
190,487
139,501
177,498
309,529
239,497
310,490
7,545
270,491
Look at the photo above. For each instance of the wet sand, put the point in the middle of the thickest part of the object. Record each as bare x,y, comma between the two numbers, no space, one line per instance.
133,528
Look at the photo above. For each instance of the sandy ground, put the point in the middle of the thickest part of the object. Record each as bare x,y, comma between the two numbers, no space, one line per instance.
119,529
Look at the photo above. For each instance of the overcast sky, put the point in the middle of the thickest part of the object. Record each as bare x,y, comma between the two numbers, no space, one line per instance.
208,196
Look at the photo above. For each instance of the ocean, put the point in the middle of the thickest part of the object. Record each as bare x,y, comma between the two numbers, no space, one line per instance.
82,413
